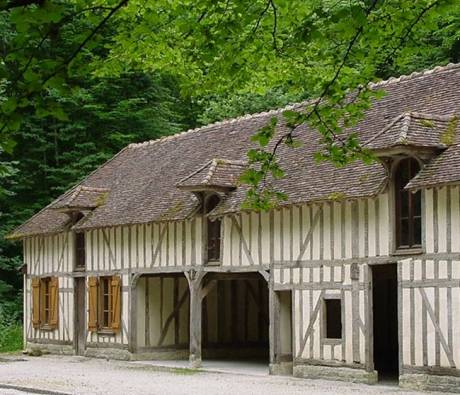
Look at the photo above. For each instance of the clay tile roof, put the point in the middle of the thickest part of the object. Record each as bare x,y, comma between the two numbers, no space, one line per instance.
82,198
443,170
415,130
143,178
217,173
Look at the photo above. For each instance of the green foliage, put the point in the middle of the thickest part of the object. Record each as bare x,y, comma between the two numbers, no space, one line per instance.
79,80
10,332
450,134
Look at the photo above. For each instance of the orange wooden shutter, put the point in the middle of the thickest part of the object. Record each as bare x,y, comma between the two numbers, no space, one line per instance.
92,303
54,302
116,302
36,302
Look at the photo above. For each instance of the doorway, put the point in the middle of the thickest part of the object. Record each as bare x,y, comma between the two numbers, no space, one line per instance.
284,348
235,318
385,313
79,309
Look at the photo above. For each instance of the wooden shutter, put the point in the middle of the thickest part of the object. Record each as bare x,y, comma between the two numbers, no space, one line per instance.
93,285
36,302
54,302
115,284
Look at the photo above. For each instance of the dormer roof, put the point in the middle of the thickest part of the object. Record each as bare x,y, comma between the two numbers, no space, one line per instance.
217,174
81,198
414,130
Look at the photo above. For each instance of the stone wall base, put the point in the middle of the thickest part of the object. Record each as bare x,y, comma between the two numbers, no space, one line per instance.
429,382
60,349
160,355
335,373
281,369
108,353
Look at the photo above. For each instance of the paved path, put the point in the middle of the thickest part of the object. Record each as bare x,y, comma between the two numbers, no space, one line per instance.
78,375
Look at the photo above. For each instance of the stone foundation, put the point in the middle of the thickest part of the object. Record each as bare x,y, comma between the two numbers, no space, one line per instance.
429,382
108,353
161,355
335,373
281,369
48,348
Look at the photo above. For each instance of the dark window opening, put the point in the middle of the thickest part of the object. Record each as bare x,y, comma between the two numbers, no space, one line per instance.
213,230
408,206
46,300
105,302
333,318
80,254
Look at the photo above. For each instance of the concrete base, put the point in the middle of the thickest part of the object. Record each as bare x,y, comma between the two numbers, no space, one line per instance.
161,355
429,382
59,349
281,368
235,353
108,353
335,373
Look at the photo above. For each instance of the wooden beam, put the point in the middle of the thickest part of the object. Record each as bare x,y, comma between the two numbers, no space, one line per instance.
256,300
195,279
437,328
313,317
243,241
208,288
158,247
309,235
171,316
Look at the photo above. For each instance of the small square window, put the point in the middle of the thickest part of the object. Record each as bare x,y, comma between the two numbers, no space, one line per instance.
333,318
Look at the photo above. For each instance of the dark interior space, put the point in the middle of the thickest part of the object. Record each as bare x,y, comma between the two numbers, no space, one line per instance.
385,312
333,318
235,317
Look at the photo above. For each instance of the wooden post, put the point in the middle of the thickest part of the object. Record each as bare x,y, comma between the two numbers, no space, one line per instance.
132,340
195,285
274,330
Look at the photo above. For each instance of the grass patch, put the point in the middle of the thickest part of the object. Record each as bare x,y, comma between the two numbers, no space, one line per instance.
185,371
10,337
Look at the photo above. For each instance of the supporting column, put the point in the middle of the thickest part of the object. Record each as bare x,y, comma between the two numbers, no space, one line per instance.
274,328
132,323
195,285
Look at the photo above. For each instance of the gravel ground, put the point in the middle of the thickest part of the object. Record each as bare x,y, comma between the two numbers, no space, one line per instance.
78,375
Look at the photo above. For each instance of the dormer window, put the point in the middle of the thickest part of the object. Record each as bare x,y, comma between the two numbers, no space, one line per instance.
408,207
213,230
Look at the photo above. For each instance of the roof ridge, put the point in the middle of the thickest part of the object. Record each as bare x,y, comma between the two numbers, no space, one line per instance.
211,171
194,172
405,127
386,128
219,123
93,189
415,74
391,80
434,117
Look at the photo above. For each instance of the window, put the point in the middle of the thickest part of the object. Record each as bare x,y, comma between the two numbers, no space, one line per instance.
104,298
45,293
45,286
333,318
213,231
105,302
80,254
408,207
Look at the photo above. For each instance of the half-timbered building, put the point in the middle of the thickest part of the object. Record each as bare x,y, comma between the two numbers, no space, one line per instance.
355,276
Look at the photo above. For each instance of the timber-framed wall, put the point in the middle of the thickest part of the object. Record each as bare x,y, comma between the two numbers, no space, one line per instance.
316,251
